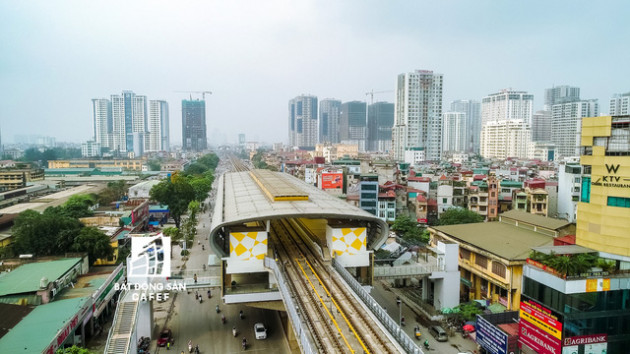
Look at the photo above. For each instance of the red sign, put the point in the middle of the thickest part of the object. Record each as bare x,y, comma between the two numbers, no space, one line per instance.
332,180
538,340
541,317
63,335
590,339
139,213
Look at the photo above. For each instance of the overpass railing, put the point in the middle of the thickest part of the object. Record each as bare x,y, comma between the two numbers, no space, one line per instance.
302,331
392,326
403,271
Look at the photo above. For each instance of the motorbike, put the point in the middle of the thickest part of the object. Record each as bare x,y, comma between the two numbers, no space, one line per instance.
234,333
402,321
417,333
426,344
223,319
190,348
244,344
200,299
240,314
217,308
209,295
197,349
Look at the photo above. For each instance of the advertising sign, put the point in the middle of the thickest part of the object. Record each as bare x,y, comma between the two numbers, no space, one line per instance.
538,340
593,285
332,180
593,344
541,317
491,338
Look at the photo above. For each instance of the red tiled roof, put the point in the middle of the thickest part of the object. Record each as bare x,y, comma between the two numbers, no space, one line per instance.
564,240
419,179
443,178
479,177
422,198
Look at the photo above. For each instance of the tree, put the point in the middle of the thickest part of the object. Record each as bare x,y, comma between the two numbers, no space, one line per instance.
455,216
469,311
196,169
409,230
94,242
78,206
175,192
73,350
44,234
155,165
209,160
115,191
201,186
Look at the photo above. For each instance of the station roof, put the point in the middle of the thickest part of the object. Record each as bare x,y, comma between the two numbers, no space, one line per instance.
25,278
240,200
538,220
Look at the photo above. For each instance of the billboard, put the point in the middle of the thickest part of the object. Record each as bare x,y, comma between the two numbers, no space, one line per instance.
541,317
150,256
491,338
538,340
332,180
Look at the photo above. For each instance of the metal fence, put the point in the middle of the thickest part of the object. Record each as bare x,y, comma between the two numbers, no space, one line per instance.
392,326
403,271
302,332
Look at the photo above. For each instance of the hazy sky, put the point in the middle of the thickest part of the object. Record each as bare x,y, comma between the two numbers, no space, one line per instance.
256,55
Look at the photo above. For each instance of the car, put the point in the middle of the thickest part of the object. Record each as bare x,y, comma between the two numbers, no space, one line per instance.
165,336
260,331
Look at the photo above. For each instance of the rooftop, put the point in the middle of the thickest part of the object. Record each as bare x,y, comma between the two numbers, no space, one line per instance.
25,278
503,240
538,220
38,329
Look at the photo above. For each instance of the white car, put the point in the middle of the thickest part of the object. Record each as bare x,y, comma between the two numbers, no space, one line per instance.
260,331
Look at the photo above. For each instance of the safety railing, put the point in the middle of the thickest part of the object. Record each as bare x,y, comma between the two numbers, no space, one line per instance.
302,331
392,326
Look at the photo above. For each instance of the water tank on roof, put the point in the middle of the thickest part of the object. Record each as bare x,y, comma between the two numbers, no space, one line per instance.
43,283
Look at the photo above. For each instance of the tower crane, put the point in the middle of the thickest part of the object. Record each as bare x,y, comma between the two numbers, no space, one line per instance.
203,93
372,92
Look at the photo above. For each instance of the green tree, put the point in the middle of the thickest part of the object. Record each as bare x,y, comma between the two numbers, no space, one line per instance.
201,186
196,169
73,350
175,192
114,191
455,216
404,223
155,165
78,206
469,311
44,234
94,242
209,160
408,229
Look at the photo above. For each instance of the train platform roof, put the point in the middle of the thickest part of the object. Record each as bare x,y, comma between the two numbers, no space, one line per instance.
241,199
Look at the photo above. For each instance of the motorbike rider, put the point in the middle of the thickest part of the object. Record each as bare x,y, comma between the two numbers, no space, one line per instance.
234,331
244,343
240,314
223,319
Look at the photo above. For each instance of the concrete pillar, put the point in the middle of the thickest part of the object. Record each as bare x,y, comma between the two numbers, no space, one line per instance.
426,287
363,275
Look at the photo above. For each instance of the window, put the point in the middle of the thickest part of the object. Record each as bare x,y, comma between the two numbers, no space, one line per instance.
498,269
619,202
586,189
464,254
481,261
444,200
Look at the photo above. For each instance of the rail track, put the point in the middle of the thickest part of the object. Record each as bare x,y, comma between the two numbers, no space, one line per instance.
338,322
237,164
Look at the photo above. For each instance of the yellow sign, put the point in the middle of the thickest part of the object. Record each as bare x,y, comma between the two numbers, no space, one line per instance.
593,285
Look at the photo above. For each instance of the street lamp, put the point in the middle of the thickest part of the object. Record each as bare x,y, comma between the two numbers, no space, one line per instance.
398,302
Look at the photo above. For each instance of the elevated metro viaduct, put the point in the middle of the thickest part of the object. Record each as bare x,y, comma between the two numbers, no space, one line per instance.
246,202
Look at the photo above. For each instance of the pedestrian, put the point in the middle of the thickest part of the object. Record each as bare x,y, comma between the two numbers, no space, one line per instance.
195,278
168,345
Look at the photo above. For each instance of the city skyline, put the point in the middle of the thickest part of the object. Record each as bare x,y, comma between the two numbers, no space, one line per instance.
480,47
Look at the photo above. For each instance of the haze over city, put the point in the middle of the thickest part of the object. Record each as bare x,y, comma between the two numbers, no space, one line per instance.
255,56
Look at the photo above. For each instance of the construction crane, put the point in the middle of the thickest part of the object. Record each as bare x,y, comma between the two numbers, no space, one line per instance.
203,93
372,92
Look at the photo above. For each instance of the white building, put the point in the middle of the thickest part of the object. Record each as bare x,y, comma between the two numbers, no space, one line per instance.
473,121
158,126
418,114
561,94
541,126
414,156
444,198
303,129
329,115
543,151
505,138
566,124
569,184
129,115
454,132
620,104
90,149
507,105
102,116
